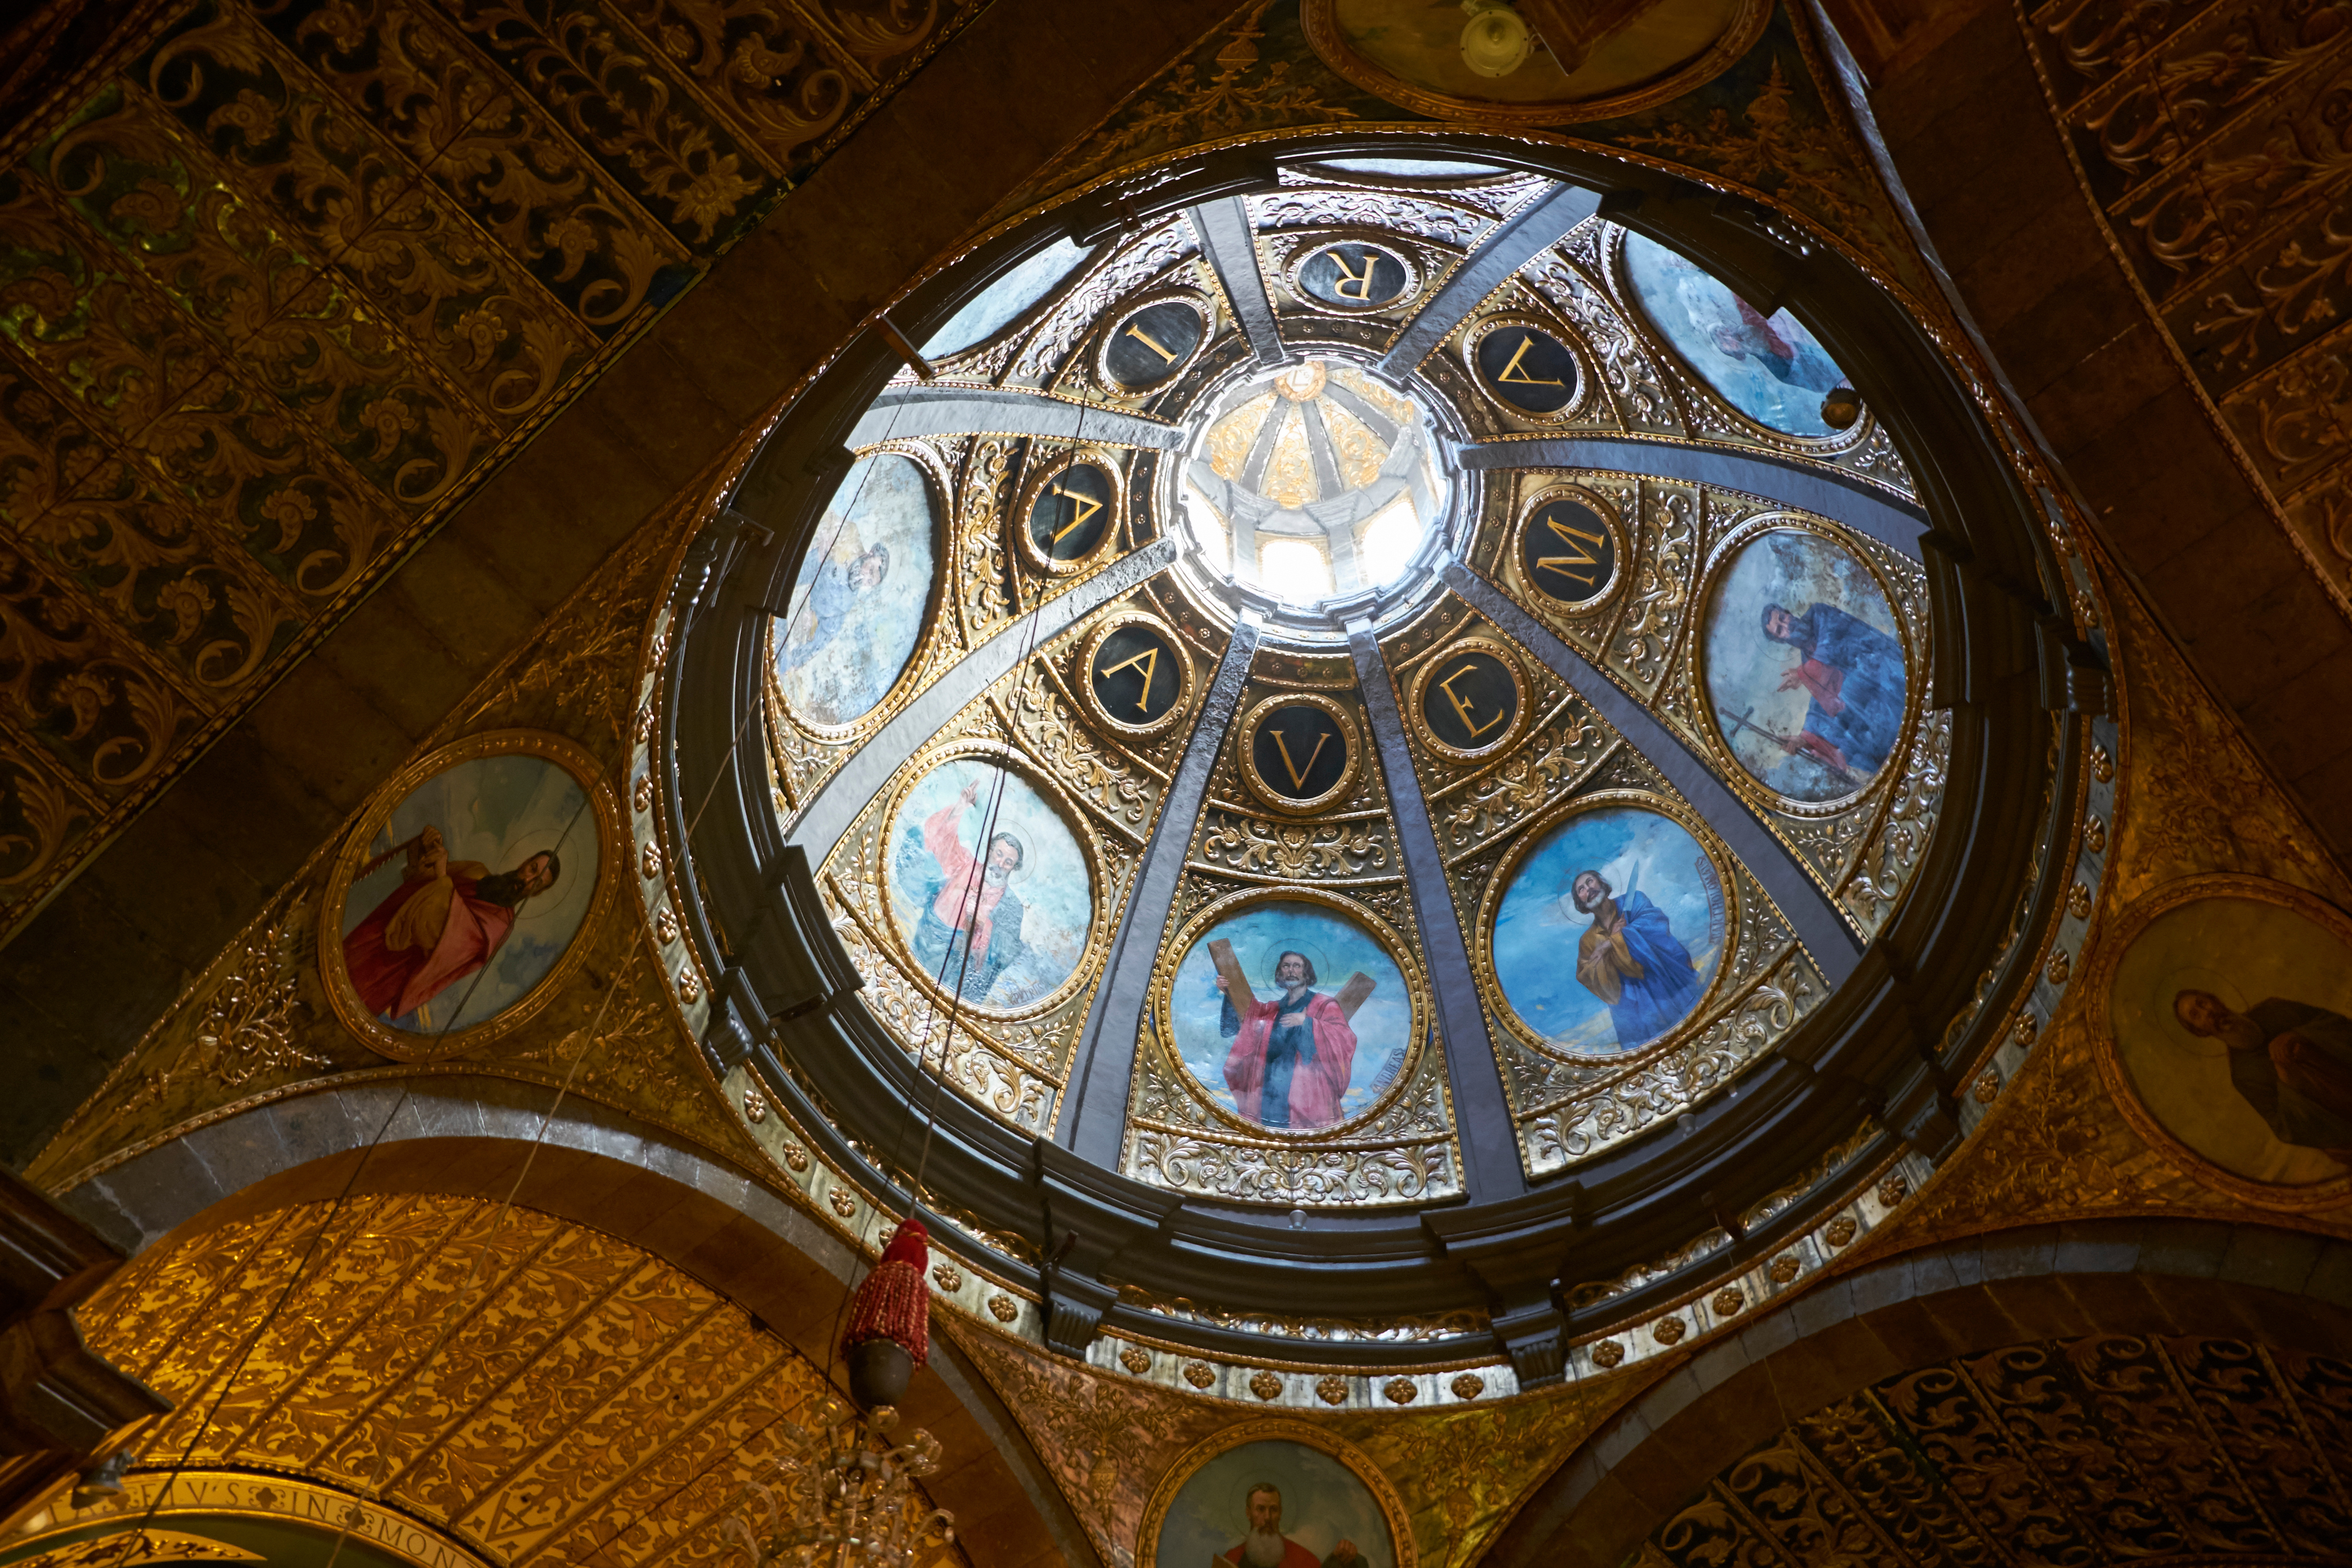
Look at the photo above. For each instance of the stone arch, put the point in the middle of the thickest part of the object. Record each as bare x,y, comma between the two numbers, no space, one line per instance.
2122,1278
467,1136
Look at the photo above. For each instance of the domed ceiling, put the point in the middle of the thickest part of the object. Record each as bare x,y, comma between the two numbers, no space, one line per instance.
1352,762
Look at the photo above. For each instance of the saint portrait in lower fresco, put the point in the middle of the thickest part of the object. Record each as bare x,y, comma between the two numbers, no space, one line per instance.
1274,1503
2231,1017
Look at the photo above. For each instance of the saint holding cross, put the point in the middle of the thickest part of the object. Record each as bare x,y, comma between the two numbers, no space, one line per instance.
1292,1057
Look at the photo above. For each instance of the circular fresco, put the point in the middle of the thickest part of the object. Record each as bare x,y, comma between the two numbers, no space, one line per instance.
1769,368
1804,665
858,607
1291,1015
1279,1502
1610,931
2231,1016
1004,925
466,895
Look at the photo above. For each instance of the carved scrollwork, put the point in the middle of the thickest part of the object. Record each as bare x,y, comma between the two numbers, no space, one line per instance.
1297,851
1557,756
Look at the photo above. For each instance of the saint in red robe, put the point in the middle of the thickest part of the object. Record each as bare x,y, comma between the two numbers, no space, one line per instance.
1293,1554
1308,1043
432,931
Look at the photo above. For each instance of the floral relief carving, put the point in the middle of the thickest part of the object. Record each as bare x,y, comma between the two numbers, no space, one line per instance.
1296,852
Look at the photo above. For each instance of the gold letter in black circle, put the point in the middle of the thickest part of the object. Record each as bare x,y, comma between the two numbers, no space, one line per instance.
1137,675
1469,700
1567,552
1151,346
1352,276
1071,514
1527,368
1299,752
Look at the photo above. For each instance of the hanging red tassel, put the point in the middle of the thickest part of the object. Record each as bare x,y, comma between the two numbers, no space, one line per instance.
891,1302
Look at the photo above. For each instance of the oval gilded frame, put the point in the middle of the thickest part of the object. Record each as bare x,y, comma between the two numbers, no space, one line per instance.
1206,919
1188,676
1509,659
1074,818
399,1044
1627,302
1120,314
942,489
1271,1428
1246,753
1484,327
1499,881
1324,37
1099,457
1315,243
2101,977
1620,537
1726,763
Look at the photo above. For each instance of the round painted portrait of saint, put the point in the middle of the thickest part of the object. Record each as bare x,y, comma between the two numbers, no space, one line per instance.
1804,665
856,609
1769,367
466,895
1275,1503
1609,930
2231,1017
1291,1015
990,891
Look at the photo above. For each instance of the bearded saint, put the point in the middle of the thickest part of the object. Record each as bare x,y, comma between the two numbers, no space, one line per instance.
1630,958
446,920
2292,1061
1266,1547
1851,674
1291,1057
970,930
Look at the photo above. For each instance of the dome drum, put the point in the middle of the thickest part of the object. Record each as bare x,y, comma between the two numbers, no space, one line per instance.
1860,1080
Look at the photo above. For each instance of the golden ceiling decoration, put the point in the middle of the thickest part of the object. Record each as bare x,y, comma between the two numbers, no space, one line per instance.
587,1398
288,285
2087,1451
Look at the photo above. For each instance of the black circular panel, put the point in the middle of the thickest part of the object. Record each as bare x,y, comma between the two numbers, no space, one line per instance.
1351,276
1146,347
1072,512
1526,369
1567,552
1298,752
1470,700
1137,675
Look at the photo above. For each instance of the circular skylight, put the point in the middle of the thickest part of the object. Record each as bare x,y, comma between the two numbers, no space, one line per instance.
1312,482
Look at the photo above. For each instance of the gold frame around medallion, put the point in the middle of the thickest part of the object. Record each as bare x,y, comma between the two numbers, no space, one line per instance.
1693,674
944,497
611,868
1085,682
1034,485
1392,942
238,1494
921,766
1324,37
1272,1429
1498,882
2100,978
1626,301
1521,716
1620,538
1587,385
1246,753
1179,294
1315,244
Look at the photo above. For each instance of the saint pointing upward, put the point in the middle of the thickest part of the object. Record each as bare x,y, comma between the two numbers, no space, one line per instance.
1291,1057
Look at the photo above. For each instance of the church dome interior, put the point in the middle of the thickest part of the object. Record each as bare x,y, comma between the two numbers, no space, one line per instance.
1284,783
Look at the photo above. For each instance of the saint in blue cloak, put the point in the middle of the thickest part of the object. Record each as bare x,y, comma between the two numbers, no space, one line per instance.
1632,959
1852,675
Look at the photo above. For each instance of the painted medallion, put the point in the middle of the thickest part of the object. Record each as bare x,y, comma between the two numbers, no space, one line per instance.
1769,368
469,893
1804,665
2231,1016
1291,1015
990,890
1279,1502
856,609
1609,930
